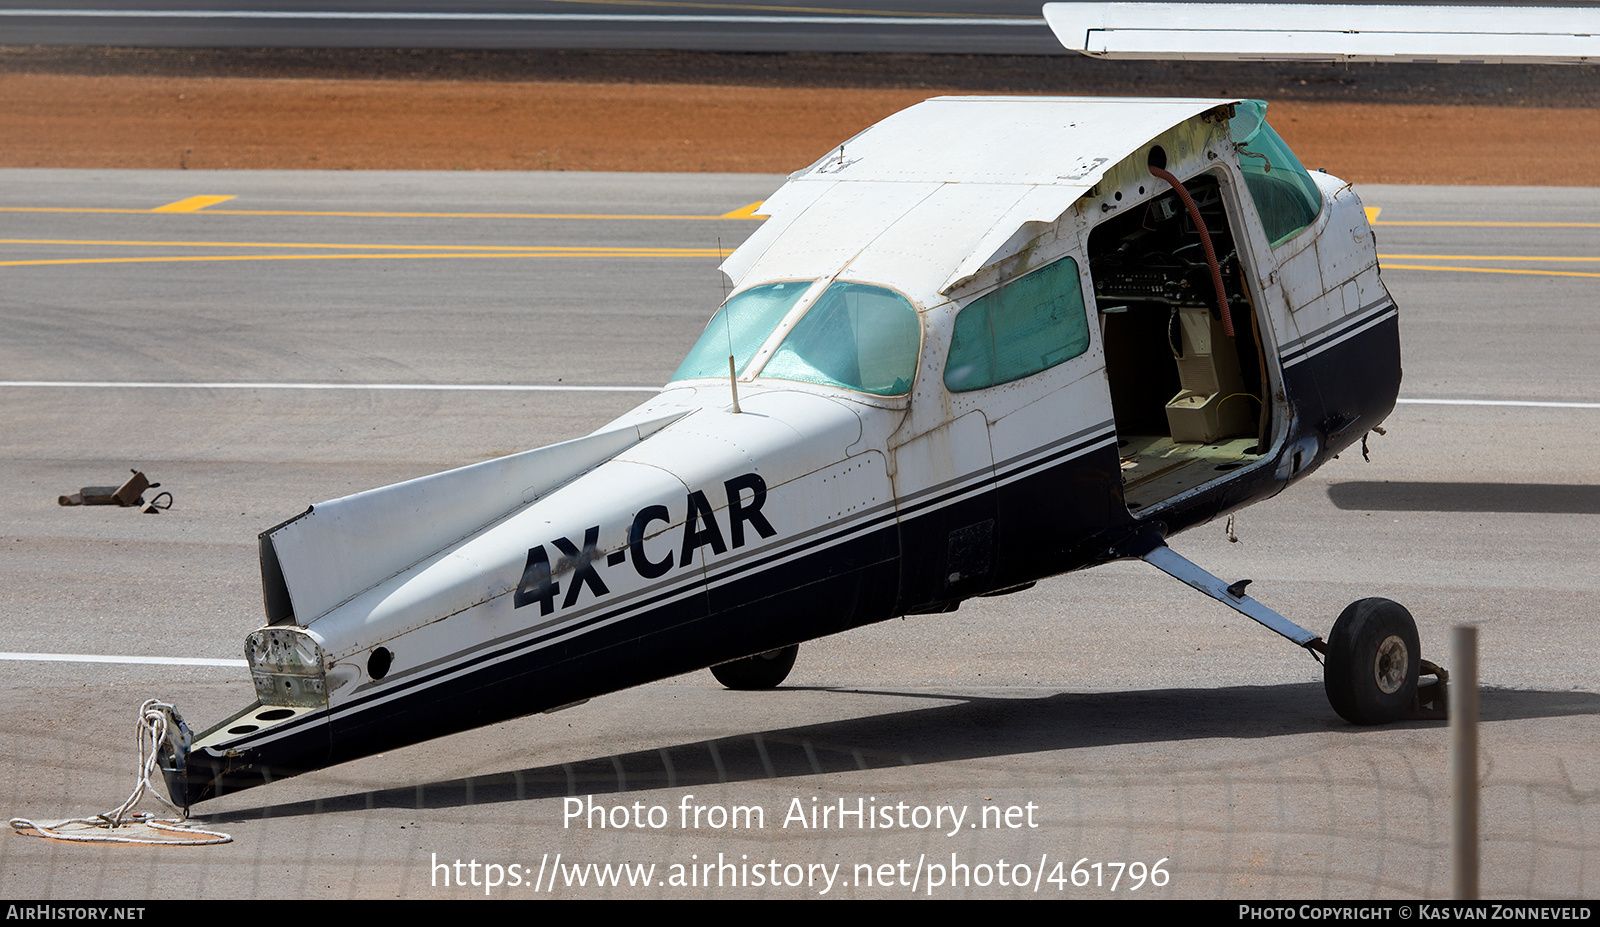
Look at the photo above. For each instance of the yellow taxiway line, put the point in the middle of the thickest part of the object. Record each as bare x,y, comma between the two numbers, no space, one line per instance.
400,251
201,205
1492,225
1494,270
139,243
193,204
361,252
1373,211
1385,259
743,212
619,249
587,253
1482,257
179,259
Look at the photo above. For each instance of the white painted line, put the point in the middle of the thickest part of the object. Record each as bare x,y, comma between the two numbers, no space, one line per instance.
104,658
421,16
545,388
1523,403
465,387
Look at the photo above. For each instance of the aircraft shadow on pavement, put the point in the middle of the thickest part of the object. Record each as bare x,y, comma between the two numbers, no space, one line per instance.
1530,498
972,728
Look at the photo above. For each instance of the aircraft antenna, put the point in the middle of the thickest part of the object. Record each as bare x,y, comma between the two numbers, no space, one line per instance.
727,319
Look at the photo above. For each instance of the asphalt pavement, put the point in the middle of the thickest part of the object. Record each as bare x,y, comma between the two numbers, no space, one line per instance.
946,26
302,335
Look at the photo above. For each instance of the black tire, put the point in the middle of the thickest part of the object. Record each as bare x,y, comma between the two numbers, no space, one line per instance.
762,671
1373,661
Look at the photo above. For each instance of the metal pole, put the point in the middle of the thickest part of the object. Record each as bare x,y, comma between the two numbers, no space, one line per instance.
1464,762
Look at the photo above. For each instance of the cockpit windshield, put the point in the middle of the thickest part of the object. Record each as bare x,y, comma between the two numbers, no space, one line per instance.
739,328
855,335
1286,198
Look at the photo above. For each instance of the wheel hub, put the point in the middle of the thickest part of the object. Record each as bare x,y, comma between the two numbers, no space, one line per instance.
1389,668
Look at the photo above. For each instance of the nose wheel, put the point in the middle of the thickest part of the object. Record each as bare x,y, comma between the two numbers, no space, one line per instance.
1374,666
762,671
1373,669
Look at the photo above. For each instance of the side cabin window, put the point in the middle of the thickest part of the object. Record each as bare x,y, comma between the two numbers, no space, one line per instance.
1286,197
739,328
1027,326
857,336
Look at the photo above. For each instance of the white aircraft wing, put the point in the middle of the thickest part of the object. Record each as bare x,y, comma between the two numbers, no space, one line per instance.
1329,32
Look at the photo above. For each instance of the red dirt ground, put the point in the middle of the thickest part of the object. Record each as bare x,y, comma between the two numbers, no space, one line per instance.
85,121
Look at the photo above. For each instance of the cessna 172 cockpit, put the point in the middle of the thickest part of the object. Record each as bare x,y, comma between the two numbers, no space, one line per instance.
987,341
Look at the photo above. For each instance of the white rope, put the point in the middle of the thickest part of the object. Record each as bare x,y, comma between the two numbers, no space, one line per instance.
150,733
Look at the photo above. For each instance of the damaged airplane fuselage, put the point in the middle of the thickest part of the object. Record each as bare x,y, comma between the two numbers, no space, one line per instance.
985,342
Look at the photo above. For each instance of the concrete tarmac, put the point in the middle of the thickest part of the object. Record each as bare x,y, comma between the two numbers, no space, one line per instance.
929,26
1103,718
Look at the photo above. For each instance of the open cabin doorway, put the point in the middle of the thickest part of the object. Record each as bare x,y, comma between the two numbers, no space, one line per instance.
1190,403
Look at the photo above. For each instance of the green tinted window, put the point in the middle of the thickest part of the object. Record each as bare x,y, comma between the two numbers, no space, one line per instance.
739,328
857,336
1031,324
1286,197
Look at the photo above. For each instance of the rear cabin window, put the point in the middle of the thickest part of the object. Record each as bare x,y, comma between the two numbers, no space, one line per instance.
1286,197
1027,326
739,328
857,336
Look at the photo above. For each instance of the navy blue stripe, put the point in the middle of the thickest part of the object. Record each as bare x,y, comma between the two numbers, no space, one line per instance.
722,577
1344,327
686,583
